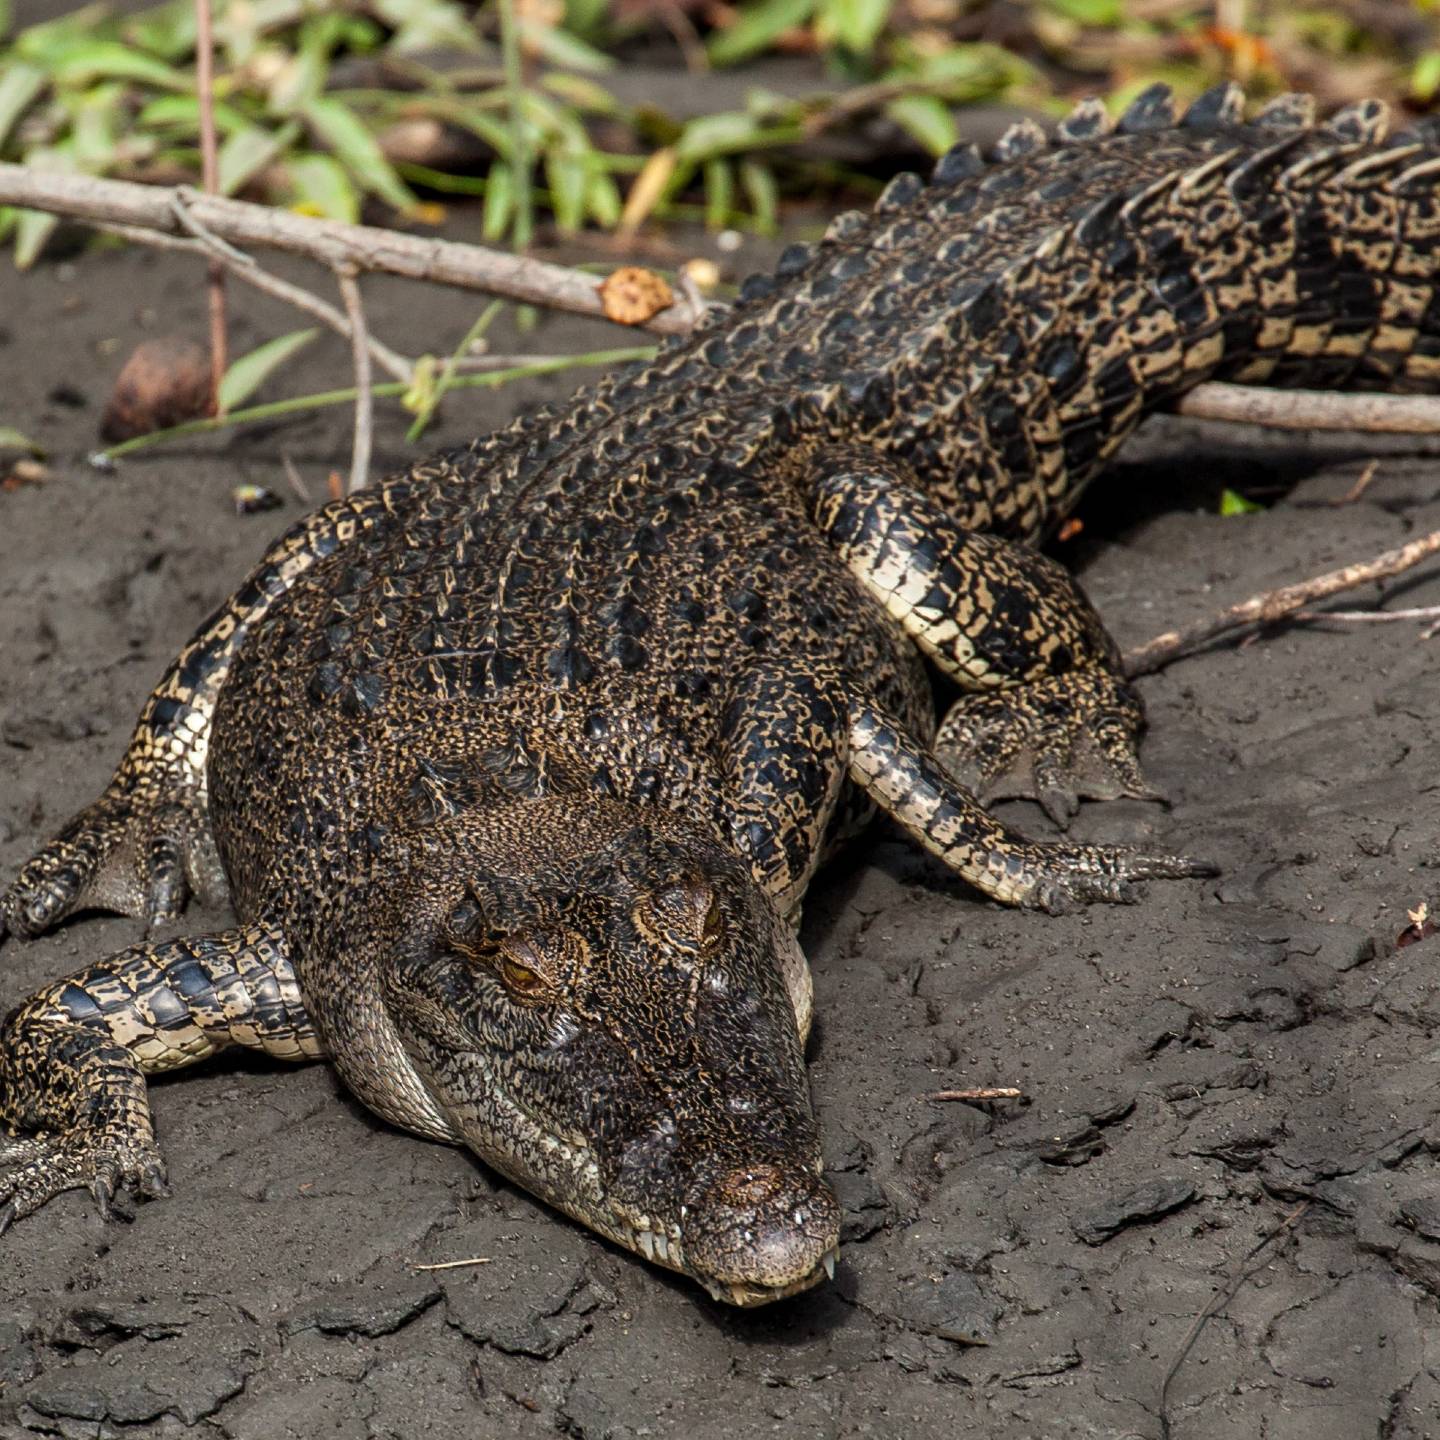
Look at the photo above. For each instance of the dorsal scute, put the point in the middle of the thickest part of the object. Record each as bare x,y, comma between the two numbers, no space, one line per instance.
793,259
1024,137
1152,195
1366,122
1204,178
1290,111
900,193
1220,105
844,227
958,163
1099,222
1089,120
756,287
1426,170
1262,164
1152,109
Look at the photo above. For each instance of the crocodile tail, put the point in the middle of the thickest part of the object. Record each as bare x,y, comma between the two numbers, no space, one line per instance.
1279,252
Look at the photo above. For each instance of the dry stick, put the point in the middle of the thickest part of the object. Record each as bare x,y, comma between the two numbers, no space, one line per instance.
1274,605
1312,409
455,1264
210,179
364,400
1353,494
331,242
992,1092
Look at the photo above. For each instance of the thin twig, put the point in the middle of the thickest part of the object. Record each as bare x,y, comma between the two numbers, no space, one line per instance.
1358,489
292,478
455,1264
1272,605
1362,617
1312,409
210,180
686,36
992,1092
247,268
92,200
364,399
1217,1303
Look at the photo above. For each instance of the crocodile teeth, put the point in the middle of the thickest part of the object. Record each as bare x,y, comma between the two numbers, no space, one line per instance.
662,1247
646,1241
830,1264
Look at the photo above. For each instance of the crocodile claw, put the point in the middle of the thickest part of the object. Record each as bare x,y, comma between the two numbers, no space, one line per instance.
1071,875
1055,740
111,1167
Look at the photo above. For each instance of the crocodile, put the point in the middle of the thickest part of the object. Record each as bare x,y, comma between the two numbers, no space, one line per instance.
516,766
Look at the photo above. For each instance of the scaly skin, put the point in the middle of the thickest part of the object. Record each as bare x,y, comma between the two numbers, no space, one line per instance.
519,764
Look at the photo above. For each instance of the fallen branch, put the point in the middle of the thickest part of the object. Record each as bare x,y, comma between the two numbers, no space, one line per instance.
1312,409
330,242
1273,605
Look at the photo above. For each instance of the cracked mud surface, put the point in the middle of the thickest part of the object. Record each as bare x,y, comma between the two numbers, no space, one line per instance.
1198,1067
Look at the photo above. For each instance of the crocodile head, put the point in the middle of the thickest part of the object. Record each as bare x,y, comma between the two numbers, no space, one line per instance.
601,1003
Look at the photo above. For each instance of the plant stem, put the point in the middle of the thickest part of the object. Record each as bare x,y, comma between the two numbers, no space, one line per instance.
520,162
447,375
301,403
210,181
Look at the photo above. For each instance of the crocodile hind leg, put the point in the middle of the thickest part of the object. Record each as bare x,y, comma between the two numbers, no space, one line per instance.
145,844
74,1057
1048,714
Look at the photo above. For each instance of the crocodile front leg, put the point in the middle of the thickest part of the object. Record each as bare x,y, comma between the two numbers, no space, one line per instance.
1049,715
909,782
73,1057
145,844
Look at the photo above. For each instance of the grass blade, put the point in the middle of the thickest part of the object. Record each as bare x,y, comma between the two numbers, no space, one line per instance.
247,374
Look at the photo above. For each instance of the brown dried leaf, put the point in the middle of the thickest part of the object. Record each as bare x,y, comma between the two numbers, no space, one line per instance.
649,187
632,295
1421,927
164,382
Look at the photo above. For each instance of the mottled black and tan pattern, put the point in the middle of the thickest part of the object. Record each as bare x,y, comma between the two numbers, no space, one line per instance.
518,767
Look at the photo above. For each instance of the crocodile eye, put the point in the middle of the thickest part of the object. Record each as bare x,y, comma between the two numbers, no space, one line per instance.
714,926
520,978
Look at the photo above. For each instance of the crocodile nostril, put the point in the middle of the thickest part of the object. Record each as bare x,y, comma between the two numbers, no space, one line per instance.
761,1224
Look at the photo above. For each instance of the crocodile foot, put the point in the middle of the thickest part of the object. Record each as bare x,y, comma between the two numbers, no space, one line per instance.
128,853
1053,740
101,1161
1056,876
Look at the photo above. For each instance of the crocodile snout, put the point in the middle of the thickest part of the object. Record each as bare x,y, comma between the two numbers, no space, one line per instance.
761,1232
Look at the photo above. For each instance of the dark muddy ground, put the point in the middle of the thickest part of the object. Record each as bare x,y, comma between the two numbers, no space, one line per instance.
1221,1061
